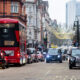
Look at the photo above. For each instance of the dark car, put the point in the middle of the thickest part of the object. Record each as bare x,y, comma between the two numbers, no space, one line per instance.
33,54
54,55
30,60
74,59
3,59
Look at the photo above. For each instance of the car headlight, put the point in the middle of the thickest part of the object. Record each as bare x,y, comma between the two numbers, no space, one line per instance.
72,59
59,56
47,56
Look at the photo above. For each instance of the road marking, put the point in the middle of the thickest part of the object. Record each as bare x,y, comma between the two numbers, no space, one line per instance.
48,72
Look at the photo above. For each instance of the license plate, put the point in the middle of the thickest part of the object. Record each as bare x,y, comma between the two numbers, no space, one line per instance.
53,59
77,64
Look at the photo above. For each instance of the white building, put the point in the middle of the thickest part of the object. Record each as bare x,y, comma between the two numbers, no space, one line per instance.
31,20
72,12
37,17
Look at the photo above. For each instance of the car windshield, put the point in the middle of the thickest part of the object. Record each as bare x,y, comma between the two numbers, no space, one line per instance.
75,52
32,50
53,51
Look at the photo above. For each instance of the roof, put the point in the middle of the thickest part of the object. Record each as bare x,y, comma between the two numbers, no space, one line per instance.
8,20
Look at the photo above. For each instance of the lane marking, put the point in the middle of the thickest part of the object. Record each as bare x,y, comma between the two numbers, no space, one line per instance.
48,72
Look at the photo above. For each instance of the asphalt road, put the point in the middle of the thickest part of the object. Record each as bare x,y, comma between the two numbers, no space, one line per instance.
40,71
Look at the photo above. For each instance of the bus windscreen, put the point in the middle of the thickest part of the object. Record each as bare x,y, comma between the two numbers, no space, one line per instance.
8,35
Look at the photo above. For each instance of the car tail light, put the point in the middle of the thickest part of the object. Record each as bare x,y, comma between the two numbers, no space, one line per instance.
6,59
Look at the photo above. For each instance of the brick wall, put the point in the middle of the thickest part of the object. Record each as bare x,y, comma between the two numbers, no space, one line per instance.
8,11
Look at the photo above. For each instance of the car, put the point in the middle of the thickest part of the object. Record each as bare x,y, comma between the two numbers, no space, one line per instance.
64,54
54,55
44,52
29,56
40,56
3,59
74,59
33,54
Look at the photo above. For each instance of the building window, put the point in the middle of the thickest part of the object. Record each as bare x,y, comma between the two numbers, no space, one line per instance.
29,19
30,32
14,7
23,10
30,9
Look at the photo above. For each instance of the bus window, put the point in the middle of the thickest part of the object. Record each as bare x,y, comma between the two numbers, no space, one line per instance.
7,25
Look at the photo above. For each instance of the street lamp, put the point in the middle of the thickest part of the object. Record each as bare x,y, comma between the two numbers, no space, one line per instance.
76,24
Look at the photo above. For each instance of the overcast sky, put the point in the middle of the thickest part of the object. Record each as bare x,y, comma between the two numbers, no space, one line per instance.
57,10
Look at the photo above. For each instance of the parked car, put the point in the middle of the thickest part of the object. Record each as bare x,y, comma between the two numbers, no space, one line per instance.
34,54
54,55
3,59
30,58
74,59
40,56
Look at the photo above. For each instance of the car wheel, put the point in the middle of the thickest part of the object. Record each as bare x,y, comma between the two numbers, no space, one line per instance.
7,66
47,61
3,66
60,61
70,66
29,61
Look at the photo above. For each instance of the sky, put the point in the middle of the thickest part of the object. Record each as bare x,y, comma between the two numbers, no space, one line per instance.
57,10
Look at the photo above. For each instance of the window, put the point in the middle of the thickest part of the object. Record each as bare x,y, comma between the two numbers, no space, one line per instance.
23,9
30,32
14,7
30,9
7,25
29,20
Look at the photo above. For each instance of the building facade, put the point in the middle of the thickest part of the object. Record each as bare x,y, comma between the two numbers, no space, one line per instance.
42,20
14,9
72,12
31,21
37,11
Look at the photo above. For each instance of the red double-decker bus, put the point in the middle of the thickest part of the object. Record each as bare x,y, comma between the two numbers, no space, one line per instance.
13,40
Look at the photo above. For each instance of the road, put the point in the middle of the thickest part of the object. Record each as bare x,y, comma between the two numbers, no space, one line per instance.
40,71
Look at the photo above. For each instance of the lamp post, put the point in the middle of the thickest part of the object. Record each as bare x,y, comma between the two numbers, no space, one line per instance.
76,23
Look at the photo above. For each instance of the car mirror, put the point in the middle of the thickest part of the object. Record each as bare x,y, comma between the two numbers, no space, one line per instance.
69,54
